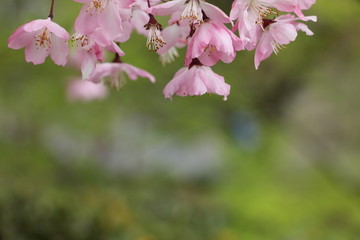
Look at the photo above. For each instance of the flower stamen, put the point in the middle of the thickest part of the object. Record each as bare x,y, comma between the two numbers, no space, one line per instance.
277,47
80,40
96,6
192,11
154,39
43,39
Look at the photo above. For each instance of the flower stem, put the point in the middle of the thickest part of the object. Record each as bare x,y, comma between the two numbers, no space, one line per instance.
51,14
117,59
148,2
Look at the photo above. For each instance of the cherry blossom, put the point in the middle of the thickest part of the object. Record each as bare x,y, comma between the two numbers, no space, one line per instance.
196,80
114,74
41,38
89,50
278,33
208,34
212,42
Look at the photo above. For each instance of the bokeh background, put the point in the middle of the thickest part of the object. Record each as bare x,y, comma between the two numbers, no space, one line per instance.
279,160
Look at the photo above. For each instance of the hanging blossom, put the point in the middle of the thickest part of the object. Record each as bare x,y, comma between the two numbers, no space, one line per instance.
249,16
278,33
195,80
41,38
211,42
89,50
265,25
113,73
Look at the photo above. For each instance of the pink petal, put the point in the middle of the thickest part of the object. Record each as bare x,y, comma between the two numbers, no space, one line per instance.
113,47
304,28
36,25
58,31
283,33
59,51
214,13
167,8
20,38
214,82
134,72
264,49
85,23
103,70
110,21
88,64
172,87
138,20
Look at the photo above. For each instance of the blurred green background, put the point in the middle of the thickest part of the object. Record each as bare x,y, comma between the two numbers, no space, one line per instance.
278,160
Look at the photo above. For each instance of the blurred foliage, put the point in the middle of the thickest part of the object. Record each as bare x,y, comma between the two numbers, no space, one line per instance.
287,139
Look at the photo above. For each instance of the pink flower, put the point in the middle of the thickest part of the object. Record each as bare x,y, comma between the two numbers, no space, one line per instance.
278,33
196,80
114,72
190,10
89,50
212,42
100,13
250,14
79,90
41,38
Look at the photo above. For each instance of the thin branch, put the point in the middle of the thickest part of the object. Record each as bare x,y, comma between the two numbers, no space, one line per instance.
51,14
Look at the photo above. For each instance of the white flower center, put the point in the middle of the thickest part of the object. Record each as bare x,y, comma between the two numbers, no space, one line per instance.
169,56
192,11
260,10
154,40
277,47
80,40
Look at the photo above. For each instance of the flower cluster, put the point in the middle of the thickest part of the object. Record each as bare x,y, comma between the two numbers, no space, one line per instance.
265,26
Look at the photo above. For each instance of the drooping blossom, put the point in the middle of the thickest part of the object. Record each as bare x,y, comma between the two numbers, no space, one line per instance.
100,13
41,38
196,80
113,73
102,24
80,90
89,50
278,33
211,42
249,15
